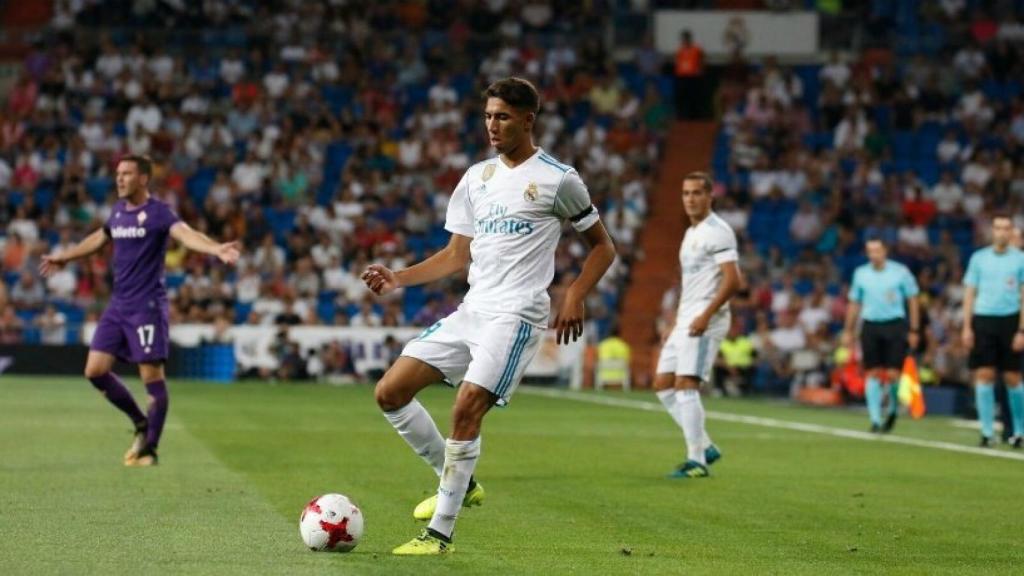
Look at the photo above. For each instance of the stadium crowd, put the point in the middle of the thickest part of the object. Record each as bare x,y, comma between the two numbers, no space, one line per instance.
908,139
324,135
330,145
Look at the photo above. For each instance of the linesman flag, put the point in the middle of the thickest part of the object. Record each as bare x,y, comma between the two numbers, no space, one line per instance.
910,389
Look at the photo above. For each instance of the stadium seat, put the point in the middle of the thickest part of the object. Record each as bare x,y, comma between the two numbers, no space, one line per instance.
242,311
325,311
99,187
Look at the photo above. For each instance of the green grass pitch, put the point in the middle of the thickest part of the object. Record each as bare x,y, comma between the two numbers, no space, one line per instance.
573,488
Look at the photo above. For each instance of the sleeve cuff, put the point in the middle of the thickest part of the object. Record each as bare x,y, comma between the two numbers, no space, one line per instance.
724,256
462,230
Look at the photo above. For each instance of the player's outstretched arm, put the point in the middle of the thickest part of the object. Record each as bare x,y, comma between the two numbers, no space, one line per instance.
727,289
447,261
91,244
227,252
569,322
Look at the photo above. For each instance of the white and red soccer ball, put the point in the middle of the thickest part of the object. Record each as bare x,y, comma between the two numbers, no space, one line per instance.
331,523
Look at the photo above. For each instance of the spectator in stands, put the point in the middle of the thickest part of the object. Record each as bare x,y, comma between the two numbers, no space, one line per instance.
806,226
366,316
15,253
689,71
947,194
52,326
28,293
836,72
11,326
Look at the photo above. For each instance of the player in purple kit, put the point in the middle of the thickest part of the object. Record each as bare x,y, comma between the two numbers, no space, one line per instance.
134,327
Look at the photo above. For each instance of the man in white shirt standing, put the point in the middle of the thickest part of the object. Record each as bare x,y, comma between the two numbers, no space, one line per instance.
505,217
710,277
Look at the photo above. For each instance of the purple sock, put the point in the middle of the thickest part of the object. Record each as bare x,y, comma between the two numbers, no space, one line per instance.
118,395
157,412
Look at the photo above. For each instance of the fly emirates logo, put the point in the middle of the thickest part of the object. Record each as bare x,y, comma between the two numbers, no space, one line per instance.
498,221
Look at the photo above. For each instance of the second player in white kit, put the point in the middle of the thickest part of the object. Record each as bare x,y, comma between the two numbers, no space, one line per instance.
705,248
710,276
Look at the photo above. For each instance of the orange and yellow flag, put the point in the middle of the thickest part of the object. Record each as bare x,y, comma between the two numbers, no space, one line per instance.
910,389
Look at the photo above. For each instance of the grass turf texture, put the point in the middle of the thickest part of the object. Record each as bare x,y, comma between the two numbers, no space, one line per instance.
572,488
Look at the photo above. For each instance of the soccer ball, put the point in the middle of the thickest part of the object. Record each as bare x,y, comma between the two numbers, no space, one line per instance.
331,522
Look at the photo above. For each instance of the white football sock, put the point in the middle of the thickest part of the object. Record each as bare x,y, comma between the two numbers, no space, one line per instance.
691,412
706,443
668,400
417,428
460,458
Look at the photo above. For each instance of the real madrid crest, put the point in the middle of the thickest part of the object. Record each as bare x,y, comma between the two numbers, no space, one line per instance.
531,193
488,171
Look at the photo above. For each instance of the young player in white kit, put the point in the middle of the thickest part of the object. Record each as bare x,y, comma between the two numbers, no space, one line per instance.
505,217
708,258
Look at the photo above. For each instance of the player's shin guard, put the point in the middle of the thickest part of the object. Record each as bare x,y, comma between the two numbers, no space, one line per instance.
985,401
118,395
417,428
157,412
873,398
1015,394
459,462
690,411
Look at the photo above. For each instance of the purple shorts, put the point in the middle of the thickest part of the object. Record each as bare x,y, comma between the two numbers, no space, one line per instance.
133,336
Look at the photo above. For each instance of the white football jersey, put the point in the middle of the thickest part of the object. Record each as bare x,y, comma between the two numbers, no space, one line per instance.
514,216
705,248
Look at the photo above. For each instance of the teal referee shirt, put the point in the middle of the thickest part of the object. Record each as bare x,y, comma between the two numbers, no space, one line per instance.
996,278
882,293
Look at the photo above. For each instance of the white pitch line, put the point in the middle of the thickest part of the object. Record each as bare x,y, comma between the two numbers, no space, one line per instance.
775,423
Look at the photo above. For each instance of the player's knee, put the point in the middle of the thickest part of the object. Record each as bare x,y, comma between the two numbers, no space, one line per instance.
95,371
388,396
663,382
687,383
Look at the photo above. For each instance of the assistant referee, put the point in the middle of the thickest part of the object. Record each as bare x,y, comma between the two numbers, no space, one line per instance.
881,292
993,327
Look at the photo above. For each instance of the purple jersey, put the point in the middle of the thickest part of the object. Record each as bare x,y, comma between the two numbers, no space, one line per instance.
140,246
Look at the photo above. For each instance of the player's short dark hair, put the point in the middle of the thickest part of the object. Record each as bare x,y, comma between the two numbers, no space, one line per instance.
143,163
516,92
878,239
703,177
1002,215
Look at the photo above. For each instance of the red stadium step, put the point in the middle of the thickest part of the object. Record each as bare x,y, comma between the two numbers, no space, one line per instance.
26,14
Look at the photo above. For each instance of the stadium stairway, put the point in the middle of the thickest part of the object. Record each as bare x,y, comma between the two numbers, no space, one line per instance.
689,146
20,23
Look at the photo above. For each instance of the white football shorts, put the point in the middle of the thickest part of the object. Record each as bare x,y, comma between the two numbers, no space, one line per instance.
489,350
685,355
